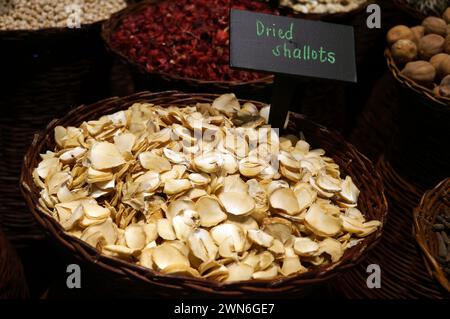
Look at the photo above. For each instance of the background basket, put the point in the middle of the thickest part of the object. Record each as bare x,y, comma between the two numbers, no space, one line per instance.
145,80
422,125
403,272
371,201
330,17
46,72
424,218
12,278
413,12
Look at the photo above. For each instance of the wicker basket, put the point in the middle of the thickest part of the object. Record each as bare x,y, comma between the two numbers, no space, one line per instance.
422,92
329,17
145,80
12,278
423,122
413,12
403,273
46,72
371,201
424,216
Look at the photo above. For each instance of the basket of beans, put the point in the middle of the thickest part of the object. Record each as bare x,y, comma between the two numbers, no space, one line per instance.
323,9
52,58
432,231
420,9
195,194
182,44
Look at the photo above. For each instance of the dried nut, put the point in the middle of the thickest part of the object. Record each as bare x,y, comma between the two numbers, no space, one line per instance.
420,71
419,32
444,87
435,25
404,51
437,59
446,15
447,44
399,32
430,45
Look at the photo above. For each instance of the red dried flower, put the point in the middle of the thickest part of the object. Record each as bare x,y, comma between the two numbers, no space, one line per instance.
187,38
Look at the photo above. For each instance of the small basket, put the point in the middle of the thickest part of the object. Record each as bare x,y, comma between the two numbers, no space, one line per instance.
371,202
424,216
423,122
162,81
12,278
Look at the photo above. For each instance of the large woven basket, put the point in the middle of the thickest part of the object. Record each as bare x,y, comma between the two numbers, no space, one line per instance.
45,73
424,217
162,81
371,201
12,278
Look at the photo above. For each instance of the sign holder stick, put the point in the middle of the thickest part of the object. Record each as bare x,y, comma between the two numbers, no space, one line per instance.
282,95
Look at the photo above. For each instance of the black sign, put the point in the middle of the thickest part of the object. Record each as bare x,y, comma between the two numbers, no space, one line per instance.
292,46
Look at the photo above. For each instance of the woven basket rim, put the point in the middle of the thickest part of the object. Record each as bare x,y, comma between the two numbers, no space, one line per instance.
111,24
402,5
421,226
28,189
412,85
327,16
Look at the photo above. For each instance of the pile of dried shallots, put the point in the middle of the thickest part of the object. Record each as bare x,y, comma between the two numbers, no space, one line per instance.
208,190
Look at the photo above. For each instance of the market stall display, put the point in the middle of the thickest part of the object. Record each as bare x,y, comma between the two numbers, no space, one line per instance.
183,187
